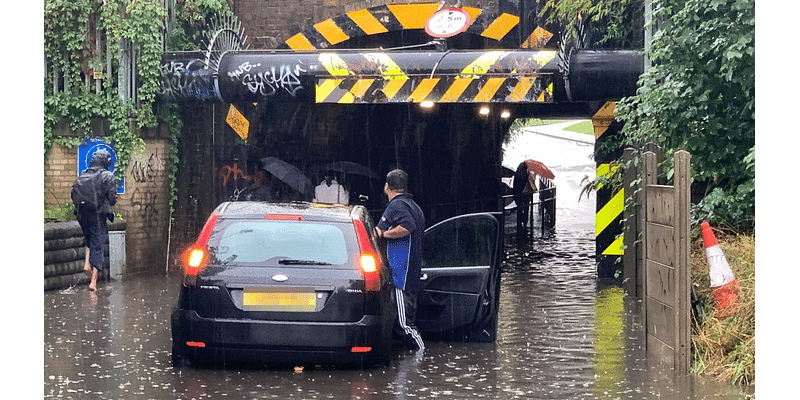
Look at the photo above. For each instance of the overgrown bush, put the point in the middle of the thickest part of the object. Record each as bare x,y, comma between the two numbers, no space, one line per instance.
725,348
699,96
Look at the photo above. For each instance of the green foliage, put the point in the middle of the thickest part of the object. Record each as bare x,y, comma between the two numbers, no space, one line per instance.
612,23
191,17
65,41
80,109
699,96
144,27
71,28
63,213
171,118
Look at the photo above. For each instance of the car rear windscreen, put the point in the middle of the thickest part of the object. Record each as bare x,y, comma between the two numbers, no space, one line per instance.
284,243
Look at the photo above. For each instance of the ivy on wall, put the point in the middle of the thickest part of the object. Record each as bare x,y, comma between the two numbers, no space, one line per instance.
78,34
85,45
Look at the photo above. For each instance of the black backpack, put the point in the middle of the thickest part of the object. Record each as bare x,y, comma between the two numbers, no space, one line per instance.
84,191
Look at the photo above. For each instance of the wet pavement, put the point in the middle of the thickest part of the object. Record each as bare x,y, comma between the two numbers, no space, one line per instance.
561,335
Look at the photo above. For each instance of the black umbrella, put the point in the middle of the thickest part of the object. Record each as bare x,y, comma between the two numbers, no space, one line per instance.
348,168
289,174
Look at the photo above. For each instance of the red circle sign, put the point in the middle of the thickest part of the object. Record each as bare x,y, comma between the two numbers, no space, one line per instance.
446,23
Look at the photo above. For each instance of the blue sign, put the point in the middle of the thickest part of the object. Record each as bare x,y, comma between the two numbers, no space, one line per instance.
86,151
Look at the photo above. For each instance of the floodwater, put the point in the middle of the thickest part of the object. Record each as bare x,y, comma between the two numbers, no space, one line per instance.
561,335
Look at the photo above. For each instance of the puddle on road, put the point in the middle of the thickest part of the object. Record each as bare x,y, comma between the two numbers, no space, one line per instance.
562,335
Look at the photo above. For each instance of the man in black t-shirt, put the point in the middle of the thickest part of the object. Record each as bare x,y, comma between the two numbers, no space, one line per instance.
402,226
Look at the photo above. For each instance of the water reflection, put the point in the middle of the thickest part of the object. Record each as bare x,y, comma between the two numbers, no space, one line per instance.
609,341
562,335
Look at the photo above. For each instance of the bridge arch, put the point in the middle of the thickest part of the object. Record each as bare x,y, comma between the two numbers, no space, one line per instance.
319,43
388,18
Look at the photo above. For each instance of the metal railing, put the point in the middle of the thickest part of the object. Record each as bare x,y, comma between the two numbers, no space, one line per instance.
545,208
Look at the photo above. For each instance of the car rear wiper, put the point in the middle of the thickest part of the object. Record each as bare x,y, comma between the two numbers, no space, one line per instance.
290,261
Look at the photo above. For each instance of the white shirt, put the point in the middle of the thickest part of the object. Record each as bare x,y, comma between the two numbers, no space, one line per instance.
333,194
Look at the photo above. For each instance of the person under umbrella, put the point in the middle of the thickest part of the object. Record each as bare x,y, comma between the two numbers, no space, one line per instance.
329,191
291,176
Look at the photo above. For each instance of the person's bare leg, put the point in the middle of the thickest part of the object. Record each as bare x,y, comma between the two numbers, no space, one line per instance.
93,283
86,267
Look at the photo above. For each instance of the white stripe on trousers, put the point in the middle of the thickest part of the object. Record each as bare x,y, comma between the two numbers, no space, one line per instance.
401,316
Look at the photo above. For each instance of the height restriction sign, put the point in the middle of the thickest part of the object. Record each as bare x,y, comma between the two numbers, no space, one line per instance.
446,23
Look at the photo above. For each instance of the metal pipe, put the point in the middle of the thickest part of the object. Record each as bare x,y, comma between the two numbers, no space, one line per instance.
254,76
599,75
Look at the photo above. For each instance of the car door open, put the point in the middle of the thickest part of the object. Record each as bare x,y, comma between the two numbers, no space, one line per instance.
461,277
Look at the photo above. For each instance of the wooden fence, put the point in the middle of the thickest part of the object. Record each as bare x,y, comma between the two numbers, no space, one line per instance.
656,260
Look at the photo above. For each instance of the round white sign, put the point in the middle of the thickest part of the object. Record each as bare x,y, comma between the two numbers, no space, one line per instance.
446,23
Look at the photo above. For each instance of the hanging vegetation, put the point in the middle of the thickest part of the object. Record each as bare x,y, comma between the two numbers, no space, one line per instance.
102,64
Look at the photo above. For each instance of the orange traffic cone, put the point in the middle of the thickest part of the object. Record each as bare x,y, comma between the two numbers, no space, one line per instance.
724,284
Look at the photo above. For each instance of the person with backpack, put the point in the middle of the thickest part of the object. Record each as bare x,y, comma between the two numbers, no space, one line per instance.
93,194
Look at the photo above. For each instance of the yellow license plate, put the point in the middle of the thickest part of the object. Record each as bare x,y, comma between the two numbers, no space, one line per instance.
279,299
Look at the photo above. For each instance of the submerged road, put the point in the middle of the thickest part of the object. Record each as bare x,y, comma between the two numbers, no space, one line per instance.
562,334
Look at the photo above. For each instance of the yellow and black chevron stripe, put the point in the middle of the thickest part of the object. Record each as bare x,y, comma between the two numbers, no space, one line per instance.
394,17
474,84
608,219
538,39
446,89
610,203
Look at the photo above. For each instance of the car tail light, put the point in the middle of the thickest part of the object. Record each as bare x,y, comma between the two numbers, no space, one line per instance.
196,257
361,349
368,261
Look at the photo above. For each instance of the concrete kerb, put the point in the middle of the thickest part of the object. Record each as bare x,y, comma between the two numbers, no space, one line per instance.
557,131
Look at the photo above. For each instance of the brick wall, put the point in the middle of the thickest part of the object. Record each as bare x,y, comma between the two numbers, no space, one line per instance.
268,23
60,170
144,205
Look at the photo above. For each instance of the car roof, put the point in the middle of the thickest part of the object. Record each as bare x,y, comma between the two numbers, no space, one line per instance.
310,211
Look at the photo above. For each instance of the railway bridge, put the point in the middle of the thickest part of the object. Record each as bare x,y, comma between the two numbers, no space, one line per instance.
429,88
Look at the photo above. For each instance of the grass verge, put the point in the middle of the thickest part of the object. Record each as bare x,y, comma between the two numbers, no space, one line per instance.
725,348
584,127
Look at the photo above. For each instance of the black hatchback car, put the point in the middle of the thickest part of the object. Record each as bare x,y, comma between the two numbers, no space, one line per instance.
306,283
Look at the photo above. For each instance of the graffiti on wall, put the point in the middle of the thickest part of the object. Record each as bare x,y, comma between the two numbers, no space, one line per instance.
187,80
267,82
146,169
145,203
235,181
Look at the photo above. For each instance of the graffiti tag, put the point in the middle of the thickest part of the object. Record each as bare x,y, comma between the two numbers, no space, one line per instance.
270,81
145,203
146,170
235,182
192,80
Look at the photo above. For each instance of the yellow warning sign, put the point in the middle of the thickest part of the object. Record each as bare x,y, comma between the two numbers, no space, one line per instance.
238,122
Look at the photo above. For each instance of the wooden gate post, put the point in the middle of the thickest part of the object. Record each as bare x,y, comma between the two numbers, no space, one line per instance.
682,181
667,302
649,177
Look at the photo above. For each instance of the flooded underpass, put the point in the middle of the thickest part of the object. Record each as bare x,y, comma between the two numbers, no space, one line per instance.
562,334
